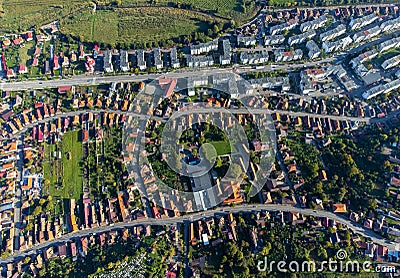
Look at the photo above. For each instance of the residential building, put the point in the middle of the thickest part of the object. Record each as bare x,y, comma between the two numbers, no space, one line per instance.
201,61
381,89
386,45
333,46
275,39
314,24
282,56
313,49
277,29
107,57
392,62
246,40
298,39
333,33
201,48
141,62
271,83
225,53
158,63
123,60
254,58
362,21
174,58
390,24
366,34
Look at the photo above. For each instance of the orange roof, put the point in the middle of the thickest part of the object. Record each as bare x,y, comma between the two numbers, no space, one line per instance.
339,208
8,166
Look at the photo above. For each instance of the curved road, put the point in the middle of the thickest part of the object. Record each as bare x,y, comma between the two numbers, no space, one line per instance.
197,216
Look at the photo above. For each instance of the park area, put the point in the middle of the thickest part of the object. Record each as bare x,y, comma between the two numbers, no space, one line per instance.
63,177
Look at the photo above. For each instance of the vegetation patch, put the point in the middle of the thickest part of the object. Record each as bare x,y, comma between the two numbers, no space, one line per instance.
71,151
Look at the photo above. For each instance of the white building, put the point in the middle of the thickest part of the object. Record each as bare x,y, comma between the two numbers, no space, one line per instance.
362,21
314,24
313,49
333,33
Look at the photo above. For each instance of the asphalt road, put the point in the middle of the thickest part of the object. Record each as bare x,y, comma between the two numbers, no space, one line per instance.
358,229
99,79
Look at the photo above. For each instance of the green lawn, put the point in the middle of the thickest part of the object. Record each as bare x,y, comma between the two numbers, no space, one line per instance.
222,147
71,160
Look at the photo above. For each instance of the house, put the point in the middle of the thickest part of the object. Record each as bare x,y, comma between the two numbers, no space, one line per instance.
313,49
339,208
314,24
123,61
333,33
246,40
362,21
298,39
174,58
394,181
322,175
333,46
10,73
354,216
204,61
158,63
107,61
273,40
141,62
256,58
203,48
29,36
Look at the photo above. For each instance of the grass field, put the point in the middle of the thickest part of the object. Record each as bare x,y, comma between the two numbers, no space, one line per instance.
67,170
50,171
71,159
134,22
229,9
23,14
136,25
222,147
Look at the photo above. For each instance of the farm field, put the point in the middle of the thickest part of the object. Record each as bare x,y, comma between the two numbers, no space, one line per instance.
136,25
